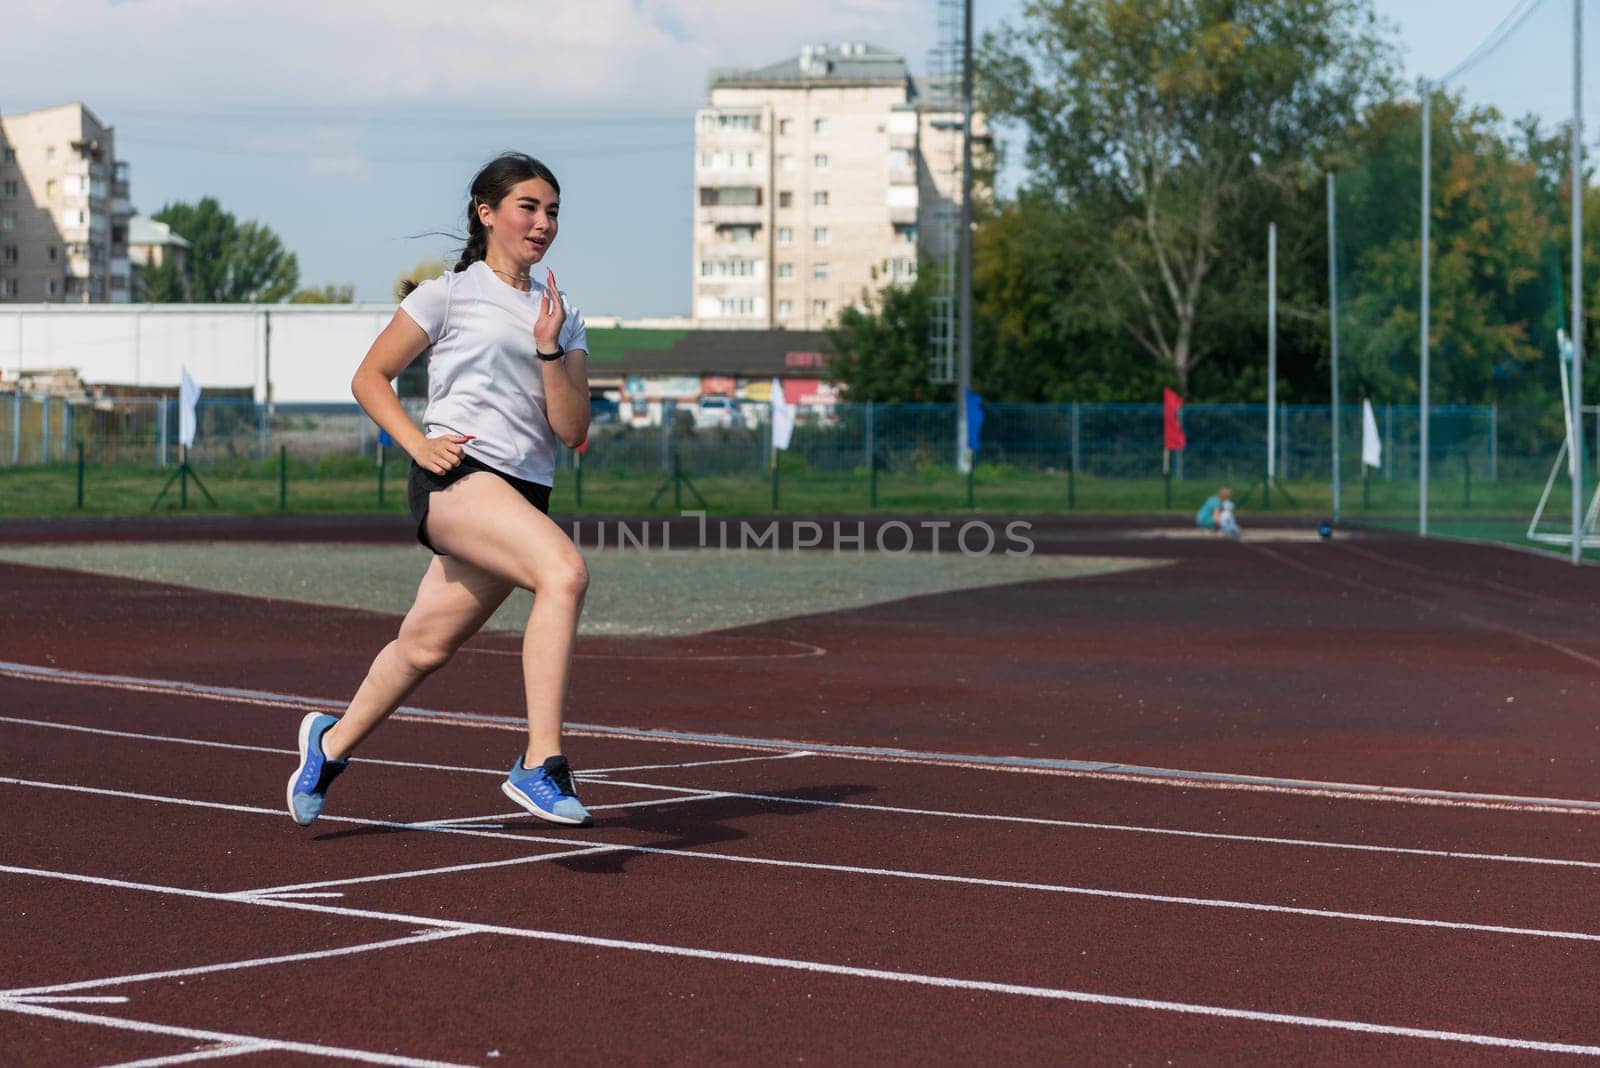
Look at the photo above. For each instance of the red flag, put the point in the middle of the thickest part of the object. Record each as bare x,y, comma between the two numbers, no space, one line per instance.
583,448
1174,441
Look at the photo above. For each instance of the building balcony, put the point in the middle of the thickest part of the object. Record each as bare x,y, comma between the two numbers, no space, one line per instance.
733,214
902,175
119,267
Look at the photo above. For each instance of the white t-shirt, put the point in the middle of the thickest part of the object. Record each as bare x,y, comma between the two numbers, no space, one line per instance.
483,371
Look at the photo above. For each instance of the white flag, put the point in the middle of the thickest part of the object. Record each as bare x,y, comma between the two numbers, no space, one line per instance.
188,397
1371,443
782,417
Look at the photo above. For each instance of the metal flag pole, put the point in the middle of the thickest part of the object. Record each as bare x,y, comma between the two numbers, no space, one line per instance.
1422,385
1272,355
964,326
1333,340
1576,443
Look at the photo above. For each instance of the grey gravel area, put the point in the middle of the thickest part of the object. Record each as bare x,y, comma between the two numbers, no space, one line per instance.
630,592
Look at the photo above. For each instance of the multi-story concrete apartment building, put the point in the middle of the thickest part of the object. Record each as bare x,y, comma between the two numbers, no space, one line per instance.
63,209
818,179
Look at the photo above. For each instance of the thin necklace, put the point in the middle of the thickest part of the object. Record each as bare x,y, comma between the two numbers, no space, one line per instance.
514,277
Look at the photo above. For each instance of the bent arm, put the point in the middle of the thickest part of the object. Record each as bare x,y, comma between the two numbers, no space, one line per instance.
401,342
566,396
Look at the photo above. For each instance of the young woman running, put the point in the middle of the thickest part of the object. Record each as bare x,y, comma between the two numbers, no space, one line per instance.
507,379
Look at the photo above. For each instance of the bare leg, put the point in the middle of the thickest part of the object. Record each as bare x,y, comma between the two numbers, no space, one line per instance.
482,521
453,601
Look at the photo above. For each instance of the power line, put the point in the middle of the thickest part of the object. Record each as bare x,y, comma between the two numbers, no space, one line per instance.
1508,25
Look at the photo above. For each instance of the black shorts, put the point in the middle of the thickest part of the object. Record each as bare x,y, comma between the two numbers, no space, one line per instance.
423,482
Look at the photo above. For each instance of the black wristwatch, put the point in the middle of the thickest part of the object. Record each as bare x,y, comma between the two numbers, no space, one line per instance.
556,355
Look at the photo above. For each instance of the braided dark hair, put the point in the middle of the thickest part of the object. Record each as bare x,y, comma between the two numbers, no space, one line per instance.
490,186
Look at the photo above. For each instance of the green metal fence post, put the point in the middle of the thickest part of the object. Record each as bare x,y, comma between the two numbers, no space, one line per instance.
80,474
872,455
972,471
380,474
283,478
577,478
776,453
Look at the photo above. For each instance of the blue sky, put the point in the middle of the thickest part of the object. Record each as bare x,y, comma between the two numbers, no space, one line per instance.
349,129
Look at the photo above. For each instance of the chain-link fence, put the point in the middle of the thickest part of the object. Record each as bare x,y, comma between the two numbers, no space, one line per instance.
1487,463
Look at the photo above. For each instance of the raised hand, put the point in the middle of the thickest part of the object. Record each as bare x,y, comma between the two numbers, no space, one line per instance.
552,317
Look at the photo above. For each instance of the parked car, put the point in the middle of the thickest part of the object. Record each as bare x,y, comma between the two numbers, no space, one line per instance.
716,411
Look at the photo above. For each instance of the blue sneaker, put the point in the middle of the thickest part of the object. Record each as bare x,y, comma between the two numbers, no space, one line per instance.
546,791
308,786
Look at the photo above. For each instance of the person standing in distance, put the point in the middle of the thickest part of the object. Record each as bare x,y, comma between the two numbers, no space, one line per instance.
507,381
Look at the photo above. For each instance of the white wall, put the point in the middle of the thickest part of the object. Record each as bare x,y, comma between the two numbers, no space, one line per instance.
314,347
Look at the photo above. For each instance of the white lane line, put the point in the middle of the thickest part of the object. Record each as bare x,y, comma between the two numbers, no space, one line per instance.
895,809
146,1027
1111,771
695,763
807,649
1087,825
34,993
657,801
880,974
462,821
892,873
280,891
276,750
212,1054
47,999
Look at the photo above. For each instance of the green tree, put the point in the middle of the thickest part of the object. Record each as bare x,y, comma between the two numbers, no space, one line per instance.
424,270
880,351
230,262
328,294
1155,127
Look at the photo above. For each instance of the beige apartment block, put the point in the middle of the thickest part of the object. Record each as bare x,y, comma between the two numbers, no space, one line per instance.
63,209
818,180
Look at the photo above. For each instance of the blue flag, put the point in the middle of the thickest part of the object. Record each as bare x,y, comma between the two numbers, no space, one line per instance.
384,439
974,419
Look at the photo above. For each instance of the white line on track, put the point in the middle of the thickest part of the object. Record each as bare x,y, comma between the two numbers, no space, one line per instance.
1109,771
212,1054
693,793
807,650
282,892
699,795
1088,769
692,763
33,993
145,1026
46,999
825,968
853,869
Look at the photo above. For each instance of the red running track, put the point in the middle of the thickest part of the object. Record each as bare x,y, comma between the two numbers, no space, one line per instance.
733,904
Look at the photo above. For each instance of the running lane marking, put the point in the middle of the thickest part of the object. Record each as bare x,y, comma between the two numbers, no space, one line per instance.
696,793
31,993
1108,770
212,1054
232,1040
690,764
846,869
824,968
290,890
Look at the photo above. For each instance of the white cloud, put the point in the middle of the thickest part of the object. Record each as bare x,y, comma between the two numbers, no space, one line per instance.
602,56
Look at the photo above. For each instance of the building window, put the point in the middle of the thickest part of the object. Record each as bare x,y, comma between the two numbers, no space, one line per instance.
785,235
819,126
785,309
819,198
705,160
820,161
819,308
737,306
737,122
740,235
705,268
820,235
785,270
8,223
11,155
785,199
708,123
8,254
819,272
902,270
49,153
785,127
51,253
50,287
905,232
786,163
8,287
8,188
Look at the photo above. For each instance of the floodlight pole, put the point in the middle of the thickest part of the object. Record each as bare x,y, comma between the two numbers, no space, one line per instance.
1576,444
1272,355
964,312
1422,383
1333,340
